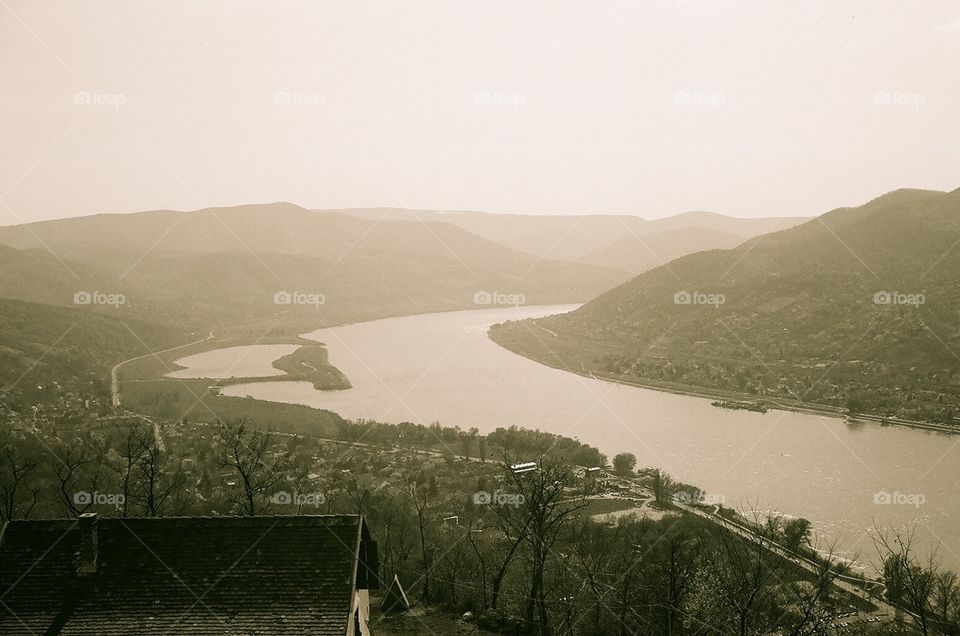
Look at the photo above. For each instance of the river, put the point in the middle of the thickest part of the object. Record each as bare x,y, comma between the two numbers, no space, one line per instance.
845,477
234,362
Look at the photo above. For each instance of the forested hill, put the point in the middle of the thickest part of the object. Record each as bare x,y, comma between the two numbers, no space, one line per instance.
43,347
858,308
217,267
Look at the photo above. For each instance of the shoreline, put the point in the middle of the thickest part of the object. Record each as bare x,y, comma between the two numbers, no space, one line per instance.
779,404
332,380
774,404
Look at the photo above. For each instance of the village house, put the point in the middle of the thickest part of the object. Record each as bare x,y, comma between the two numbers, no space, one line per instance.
190,575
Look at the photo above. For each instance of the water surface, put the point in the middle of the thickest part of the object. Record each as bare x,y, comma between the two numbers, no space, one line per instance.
253,361
443,367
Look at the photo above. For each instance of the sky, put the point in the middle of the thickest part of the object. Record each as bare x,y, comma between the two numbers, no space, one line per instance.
649,108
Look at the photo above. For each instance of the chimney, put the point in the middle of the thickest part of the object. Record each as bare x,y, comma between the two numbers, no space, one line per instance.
89,548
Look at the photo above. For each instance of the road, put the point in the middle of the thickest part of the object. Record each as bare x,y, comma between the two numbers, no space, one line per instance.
539,326
846,583
115,372
154,426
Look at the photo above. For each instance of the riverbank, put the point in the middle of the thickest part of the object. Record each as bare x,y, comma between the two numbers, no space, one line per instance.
780,404
308,363
141,384
770,403
447,370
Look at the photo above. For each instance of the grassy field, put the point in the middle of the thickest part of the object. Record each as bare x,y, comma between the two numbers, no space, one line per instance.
144,388
308,363
194,400
606,506
312,364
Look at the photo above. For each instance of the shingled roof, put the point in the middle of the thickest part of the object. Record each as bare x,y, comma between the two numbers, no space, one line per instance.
229,575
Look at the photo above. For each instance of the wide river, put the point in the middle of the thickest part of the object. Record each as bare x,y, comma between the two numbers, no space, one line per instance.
845,477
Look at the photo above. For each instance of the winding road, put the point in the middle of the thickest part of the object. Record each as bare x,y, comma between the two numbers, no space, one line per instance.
115,371
847,583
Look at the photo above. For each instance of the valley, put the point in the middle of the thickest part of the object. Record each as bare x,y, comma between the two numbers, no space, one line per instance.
438,361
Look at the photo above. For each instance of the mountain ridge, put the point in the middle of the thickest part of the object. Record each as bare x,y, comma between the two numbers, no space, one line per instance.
856,307
583,238
216,264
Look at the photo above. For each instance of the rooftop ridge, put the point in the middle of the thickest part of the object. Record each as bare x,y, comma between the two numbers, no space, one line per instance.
302,519
275,574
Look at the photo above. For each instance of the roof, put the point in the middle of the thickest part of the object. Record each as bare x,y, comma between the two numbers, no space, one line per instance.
198,575
395,599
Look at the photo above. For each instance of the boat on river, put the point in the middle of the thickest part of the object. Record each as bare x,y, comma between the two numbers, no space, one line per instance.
738,405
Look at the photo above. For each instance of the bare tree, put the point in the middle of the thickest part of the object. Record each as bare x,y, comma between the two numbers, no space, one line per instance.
78,476
682,556
911,581
455,571
299,479
736,581
359,494
157,480
946,602
515,527
17,498
595,557
811,595
397,533
133,444
419,495
541,497
662,486
473,536
246,453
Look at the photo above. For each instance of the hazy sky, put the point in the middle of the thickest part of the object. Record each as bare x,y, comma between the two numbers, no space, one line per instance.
651,108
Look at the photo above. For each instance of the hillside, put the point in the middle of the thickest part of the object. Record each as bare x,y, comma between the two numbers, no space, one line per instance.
856,309
626,242
37,275
640,254
223,266
45,349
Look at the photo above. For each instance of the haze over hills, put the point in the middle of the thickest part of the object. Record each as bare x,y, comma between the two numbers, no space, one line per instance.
629,243
40,344
639,254
36,275
206,267
857,308
80,294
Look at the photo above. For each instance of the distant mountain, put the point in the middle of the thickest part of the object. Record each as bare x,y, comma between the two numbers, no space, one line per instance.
225,265
626,242
35,274
858,308
640,254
